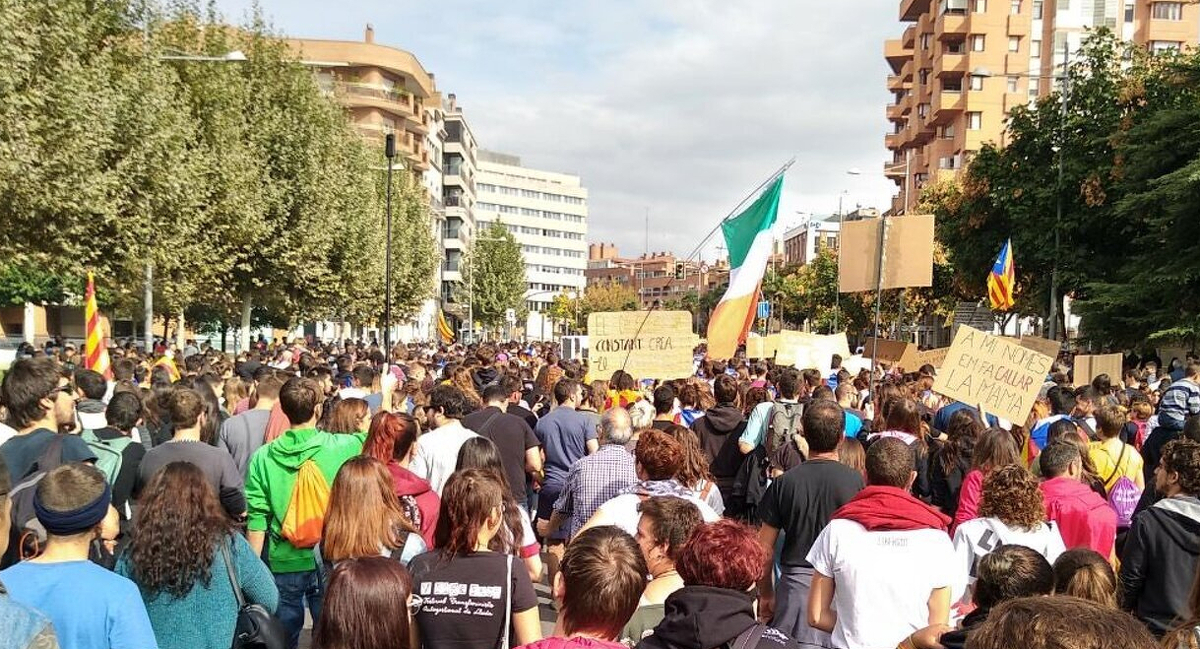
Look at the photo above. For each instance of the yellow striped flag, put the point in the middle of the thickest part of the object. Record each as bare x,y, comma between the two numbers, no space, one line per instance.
1002,280
95,350
445,331
748,238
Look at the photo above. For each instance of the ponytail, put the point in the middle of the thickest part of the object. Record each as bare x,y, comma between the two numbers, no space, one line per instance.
1084,573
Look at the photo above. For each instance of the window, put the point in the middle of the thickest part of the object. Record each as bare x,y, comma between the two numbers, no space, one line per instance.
922,110
1164,46
925,40
923,74
1166,11
1035,49
1129,6
1016,7
976,82
1012,83
977,42
979,6
1037,9
1034,87
1014,43
974,121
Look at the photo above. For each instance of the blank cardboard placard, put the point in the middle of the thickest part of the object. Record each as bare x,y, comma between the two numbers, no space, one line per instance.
914,359
908,253
1089,367
1040,345
994,373
647,344
890,351
762,346
810,351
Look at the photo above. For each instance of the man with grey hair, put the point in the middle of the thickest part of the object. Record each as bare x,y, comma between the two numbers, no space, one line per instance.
595,478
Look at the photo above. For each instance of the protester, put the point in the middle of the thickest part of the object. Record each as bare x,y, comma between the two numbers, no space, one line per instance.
1081,572
884,558
123,455
694,473
90,607
664,406
494,590
393,440
994,449
719,430
519,447
39,401
952,462
186,416
1084,519
665,525
177,555
1052,622
21,626
566,436
91,389
719,564
1181,400
1062,402
274,471
851,453
351,415
601,578
1011,511
516,535
437,450
800,504
597,478
1112,457
242,435
367,604
658,462
1160,554
365,519
902,421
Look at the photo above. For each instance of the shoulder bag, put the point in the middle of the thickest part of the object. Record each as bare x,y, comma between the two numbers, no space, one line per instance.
256,627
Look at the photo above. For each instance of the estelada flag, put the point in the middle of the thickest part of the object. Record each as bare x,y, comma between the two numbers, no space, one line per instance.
1002,280
95,350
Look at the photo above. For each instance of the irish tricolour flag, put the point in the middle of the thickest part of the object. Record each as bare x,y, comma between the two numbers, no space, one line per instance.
748,238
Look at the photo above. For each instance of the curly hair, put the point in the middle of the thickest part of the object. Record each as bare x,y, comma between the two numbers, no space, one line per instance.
178,525
1182,456
1011,494
724,554
695,465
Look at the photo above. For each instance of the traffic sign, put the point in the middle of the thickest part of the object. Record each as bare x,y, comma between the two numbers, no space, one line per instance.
764,309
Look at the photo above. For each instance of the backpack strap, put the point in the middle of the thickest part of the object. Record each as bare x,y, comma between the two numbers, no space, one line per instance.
748,638
1117,466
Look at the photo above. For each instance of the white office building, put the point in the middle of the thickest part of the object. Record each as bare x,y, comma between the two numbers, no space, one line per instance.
547,213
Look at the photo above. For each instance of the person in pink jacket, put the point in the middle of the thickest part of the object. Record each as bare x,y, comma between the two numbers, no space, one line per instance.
1084,518
994,449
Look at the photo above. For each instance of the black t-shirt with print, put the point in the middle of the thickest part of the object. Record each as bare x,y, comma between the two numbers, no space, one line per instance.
463,599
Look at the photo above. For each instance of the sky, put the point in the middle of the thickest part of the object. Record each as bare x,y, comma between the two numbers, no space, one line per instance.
669,110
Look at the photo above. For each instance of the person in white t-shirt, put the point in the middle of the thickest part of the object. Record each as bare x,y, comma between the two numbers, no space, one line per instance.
1011,512
883,567
437,450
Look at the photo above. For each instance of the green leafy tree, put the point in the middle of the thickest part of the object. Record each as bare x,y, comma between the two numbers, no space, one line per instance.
496,274
601,297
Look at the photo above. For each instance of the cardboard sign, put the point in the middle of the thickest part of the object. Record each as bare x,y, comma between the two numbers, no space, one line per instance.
907,253
889,351
1041,345
1089,367
810,351
762,346
647,344
993,373
914,359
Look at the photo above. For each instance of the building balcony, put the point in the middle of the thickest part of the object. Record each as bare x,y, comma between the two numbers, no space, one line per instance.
894,170
895,83
896,54
909,39
895,112
893,140
395,100
912,9
906,71
949,105
952,27
950,64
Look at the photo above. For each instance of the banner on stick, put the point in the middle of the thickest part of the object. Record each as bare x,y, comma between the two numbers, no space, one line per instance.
648,345
908,253
993,373
1089,367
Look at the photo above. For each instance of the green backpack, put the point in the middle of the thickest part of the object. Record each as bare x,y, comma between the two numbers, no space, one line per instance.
108,453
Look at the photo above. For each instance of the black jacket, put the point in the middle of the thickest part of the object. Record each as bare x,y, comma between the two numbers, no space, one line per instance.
1158,564
701,617
718,431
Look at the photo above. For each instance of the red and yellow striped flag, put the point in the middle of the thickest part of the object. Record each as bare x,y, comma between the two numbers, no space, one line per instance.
95,350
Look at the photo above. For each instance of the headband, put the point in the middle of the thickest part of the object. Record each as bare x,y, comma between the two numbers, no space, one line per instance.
77,520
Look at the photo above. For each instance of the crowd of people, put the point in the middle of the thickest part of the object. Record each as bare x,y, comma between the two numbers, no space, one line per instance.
414,497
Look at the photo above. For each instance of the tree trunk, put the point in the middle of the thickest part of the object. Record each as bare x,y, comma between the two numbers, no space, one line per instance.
247,302
181,332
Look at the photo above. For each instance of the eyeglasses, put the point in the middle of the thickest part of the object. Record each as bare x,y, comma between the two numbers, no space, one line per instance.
64,389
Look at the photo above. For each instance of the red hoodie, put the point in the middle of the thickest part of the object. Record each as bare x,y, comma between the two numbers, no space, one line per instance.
891,508
1084,519
409,484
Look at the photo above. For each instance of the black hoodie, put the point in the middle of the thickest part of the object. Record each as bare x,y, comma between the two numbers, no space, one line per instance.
719,430
702,617
1159,562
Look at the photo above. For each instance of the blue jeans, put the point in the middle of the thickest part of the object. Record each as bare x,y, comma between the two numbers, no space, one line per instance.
294,589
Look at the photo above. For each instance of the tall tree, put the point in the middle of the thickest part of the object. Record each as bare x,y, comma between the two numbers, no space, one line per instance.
495,275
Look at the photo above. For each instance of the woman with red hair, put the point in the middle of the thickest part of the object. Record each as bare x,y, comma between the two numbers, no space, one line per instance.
392,439
720,564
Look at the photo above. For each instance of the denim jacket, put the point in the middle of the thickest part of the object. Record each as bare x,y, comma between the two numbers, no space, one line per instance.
22,627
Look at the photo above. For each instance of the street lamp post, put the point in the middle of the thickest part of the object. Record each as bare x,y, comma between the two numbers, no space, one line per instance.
389,152
837,295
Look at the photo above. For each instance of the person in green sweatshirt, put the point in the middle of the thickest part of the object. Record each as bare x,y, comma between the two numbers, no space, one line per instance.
270,480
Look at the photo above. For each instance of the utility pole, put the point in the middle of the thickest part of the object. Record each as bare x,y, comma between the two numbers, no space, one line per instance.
1062,136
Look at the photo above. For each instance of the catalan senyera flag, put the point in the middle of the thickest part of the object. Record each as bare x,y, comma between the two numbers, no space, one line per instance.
95,349
445,331
748,238
1002,280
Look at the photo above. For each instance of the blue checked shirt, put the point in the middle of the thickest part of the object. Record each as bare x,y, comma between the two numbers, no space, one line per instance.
1180,401
592,481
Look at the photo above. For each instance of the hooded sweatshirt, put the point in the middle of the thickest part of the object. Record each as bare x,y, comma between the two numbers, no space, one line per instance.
410,485
1084,518
719,430
1159,562
572,643
271,477
703,617
91,413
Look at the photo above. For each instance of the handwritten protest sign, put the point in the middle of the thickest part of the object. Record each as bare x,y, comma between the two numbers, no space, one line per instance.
914,359
648,345
992,372
888,351
1089,367
762,346
805,350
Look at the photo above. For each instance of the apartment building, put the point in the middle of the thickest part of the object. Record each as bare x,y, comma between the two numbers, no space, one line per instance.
459,171
961,65
652,275
547,213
